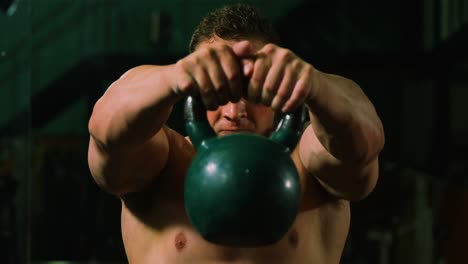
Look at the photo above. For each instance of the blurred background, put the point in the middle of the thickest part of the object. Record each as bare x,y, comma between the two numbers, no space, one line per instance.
57,57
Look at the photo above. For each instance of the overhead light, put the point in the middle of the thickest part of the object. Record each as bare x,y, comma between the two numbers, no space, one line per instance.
8,7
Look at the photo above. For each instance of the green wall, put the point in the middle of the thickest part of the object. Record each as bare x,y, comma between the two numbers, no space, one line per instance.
43,39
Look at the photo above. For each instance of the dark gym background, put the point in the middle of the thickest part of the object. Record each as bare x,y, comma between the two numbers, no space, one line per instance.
58,56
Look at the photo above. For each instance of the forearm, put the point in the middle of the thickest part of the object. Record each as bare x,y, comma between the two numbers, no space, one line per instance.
134,108
344,120
128,148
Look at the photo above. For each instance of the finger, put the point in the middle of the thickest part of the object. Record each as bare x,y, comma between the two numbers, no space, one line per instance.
247,67
272,83
247,70
299,94
205,88
232,73
218,79
261,67
284,91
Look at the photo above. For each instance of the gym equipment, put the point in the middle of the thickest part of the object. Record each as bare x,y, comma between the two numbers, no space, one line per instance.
241,190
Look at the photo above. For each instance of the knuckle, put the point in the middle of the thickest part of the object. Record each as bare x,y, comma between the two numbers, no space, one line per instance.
205,92
211,53
301,93
233,76
297,65
284,54
185,84
219,86
282,94
224,48
268,97
181,65
269,88
309,74
308,69
184,81
269,48
205,54
257,79
290,53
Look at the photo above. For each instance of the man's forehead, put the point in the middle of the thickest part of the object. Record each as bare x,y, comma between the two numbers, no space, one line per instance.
217,41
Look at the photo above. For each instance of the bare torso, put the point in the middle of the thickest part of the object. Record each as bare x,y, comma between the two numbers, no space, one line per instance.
155,228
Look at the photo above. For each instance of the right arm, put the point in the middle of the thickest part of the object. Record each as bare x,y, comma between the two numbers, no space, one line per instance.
127,147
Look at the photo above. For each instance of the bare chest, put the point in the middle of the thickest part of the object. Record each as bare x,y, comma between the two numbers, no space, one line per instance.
162,233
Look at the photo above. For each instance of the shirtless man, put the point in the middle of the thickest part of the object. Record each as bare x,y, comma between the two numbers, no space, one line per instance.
133,155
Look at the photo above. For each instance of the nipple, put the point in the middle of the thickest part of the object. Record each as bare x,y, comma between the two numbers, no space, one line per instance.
180,241
294,238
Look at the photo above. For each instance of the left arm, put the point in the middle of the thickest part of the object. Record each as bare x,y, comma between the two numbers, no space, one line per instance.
341,146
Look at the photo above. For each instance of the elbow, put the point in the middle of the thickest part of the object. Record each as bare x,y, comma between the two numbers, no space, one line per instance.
371,145
111,185
106,178
364,179
109,181
362,190
365,183
108,117
378,141
96,126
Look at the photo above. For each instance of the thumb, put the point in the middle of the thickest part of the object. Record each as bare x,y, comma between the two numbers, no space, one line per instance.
247,67
245,51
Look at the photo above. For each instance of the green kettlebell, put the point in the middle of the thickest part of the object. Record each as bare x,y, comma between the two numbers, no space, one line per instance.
241,190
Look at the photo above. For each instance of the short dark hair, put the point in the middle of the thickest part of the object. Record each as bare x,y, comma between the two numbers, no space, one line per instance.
234,22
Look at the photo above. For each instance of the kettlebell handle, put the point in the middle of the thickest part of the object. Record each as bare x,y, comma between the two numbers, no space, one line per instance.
287,133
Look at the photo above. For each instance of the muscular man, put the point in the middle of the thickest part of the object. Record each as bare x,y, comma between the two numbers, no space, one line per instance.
133,155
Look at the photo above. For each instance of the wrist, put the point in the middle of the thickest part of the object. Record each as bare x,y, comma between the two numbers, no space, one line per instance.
316,88
173,91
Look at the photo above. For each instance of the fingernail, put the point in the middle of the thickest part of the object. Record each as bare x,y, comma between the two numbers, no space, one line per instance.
275,103
247,69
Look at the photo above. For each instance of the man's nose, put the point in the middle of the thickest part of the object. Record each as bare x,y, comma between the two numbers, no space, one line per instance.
234,111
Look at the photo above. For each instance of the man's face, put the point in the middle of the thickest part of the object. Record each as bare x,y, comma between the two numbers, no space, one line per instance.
243,116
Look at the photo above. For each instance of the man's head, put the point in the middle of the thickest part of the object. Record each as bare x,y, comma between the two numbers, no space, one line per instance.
229,25
234,22
242,116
